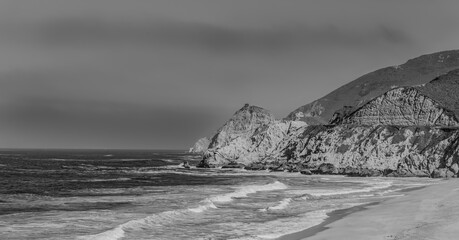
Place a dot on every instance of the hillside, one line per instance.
(414, 72)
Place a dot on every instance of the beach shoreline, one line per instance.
(428, 212)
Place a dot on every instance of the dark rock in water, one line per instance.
(234, 165)
(442, 173)
(306, 172)
(185, 164)
(326, 168)
(203, 164)
(365, 172)
(256, 166)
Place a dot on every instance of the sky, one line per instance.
(160, 74)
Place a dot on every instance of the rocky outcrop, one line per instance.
(267, 142)
(414, 72)
(434, 103)
(402, 106)
(354, 150)
(200, 146)
(242, 125)
(251, 134)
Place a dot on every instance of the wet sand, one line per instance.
(430, 212)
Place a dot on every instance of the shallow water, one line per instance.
(144, 195)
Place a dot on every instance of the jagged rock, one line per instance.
(200, 146)
(359, 150)
(414, 72)
(185, 164)
(267, 143)
(455, 168)
(243, 123)
(326, 168)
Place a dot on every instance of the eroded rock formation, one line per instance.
(416, 71)
(352, 150)
(267, 142)
(402, 106)
(431, 104)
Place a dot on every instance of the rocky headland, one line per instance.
(397, 124)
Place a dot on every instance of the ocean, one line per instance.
(126, 194)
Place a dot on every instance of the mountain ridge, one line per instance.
(416, 71)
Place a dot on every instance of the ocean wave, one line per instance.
(171, 216)
(244, 191)
(203, 208)
(281, 205)
(147, 222)
(279, 227)
(100, 180)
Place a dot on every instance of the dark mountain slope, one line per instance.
(416, 71)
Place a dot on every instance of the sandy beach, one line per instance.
(427, 213)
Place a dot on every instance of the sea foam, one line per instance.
(171, 216)
(334, 192)
(244, 191)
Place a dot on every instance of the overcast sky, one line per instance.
(160, 74)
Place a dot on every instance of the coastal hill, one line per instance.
(416, 71)
(405, 131)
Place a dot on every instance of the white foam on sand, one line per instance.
(281, 226)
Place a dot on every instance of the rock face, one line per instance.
(434, 103)
(352, 150)
(200, 146)
(243, 124)
(251, 134)
(402, 106)
(416, 71)
(266, 142)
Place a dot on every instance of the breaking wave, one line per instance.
(244, 191)
(281, 205)
(171, 216)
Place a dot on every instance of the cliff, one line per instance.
(267, 142)
(352, 150)
(405, 131)
(414, 72)
(243, 124)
